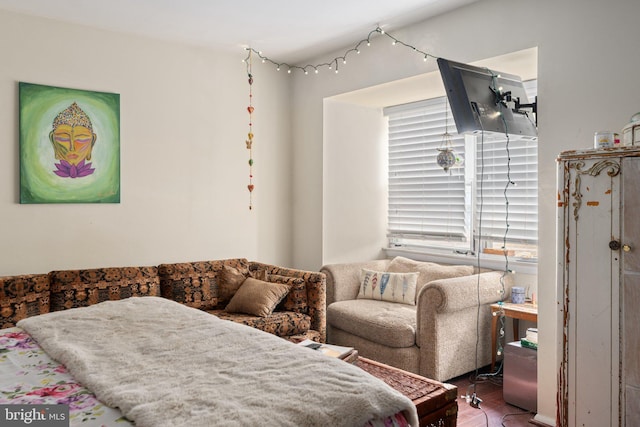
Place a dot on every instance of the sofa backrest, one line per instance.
(196, 283)
(81, 288)
(23, 296)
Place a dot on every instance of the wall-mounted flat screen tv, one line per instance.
(483, 100)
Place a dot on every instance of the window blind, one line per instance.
(424, 201)
(427, 205)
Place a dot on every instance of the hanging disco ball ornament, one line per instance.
(446, 158)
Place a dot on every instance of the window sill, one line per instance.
(494, 262)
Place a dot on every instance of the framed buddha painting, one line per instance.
(69, 145)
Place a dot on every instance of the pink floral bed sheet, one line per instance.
(29, 376)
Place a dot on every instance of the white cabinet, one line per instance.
(599, 288)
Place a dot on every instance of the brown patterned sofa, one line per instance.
(205, 285)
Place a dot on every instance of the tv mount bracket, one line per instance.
(504, 97)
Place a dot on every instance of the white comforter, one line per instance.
(164, 364)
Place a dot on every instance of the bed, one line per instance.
(149, 361)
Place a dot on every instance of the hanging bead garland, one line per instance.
(249, 141)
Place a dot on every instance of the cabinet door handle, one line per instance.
(614, 245)
(626, 248)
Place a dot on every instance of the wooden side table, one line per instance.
(516, 312)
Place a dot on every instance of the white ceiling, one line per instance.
(285, 30)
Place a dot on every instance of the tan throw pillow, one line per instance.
(257, 297)
(230, 279)
(429, 271)
(385, 286)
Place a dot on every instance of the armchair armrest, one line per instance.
(343, 280)
(450, 322)
(458, 293)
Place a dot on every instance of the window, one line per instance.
(468, 208)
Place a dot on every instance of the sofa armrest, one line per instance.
(316, 285)
(343, 280)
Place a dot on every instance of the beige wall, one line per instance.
(588, 81)
(355, 183)
(184, 166)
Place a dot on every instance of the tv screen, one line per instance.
(478, 100)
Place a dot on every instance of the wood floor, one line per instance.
(493, 412)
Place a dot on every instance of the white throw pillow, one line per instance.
(386, 286)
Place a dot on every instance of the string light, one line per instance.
(316, 69)
(356, 49)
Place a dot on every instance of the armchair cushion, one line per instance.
(385, 286)
(387, 323)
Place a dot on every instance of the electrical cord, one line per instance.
(473, 399)
(486, 417)
(507, 270)
(478, 253)
(513, 414)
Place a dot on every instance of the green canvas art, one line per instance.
(69, 145)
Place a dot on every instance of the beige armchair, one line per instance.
(446, 333)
